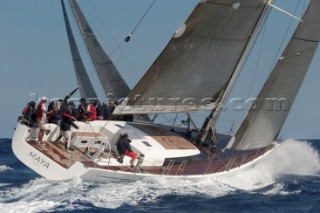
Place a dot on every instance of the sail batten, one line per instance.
(261, 126)
(305, 39)
(196, 66)
(111, 80)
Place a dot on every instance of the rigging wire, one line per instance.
(128, 63)
(283, 38)
(258, 61)
(127, 39)
(256, 66)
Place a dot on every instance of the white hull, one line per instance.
(45, 166)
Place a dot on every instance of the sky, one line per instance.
(35, 55)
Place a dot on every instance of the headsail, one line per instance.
(198, 62)
(86, 88)
(262, 126)
(110, 78)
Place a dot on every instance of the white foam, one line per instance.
(291, 157)
(4, 168)
(39, 195)
(132, 193)
(44, 195)
(278, 189)
(27, 206)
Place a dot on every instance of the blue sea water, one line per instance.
(287, 180)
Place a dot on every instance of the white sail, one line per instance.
(86, 88)
(197, 64)
(109, 76)
(265, 119)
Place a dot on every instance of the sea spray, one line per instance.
(290, 158)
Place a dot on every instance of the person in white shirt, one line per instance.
(41, 118)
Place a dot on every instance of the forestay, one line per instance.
(86, 88)
(198, 62)
(265, 119)
(109, 76)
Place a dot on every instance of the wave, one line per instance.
(37, 195)
(44, 195)
(292, 157)
(279, 189)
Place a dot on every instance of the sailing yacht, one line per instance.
(195, 72)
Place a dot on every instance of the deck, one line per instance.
(167, 139)
(57, 152)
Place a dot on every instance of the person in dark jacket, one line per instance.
(124, 148)
(66, 123)
(53, 115)
(106, 111)
(74, 110)
(63, 107)
(29, 114)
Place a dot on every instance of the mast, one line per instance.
(86, 88)
(111, 80)
(263, 124)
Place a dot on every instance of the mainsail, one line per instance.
(86, 88)
(197, 64)
(111, 80)
(265, 119)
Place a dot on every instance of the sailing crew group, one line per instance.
(64, 114)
